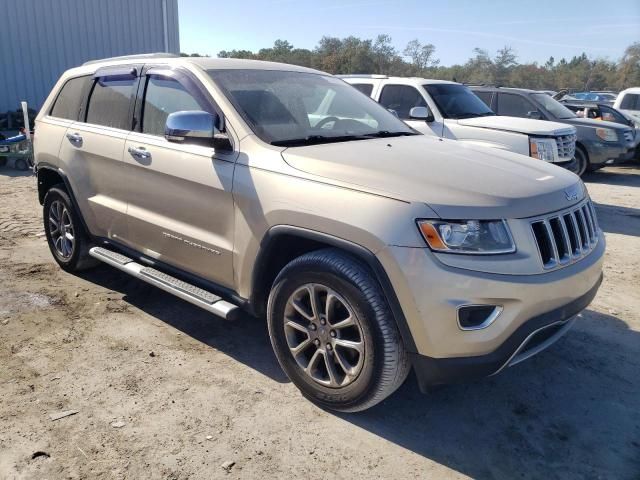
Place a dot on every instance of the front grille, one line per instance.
(566, 146)
(565, 237)
(628, 135)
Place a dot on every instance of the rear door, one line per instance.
(93, 148)
(180, 204)
(52, 125)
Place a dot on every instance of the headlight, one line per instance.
(542, 148)
(479, 237)
(607, 134)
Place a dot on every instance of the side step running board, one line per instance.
(184, 290)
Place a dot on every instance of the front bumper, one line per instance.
(530, 338)
(601, 154)
(431, 292)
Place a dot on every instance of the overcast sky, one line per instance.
(535, 29)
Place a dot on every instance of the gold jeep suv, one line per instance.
(284, 192)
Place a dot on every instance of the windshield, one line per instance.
(553, 106)
(457, 101)
(296, 108)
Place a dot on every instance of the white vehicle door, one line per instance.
(401, 99)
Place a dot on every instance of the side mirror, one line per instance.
(534, 115)
(195, 126)
(421, 113)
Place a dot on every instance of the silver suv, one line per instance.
(284, 192)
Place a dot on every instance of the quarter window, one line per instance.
(69, 100)
(110, 101)
(631, 101)
(401, 99)
(513, 105)
(164, 96)
(365, 88)
(485, 97)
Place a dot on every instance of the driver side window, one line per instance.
(401, 98)
(164, 96)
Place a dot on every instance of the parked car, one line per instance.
(602, 97)
(451, 110)
(628, 101)
(282, 191)
(600, 111)
(598, 144)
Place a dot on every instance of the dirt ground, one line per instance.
(164, 390)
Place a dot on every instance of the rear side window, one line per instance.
(631, 101)
(401, 99)
(69, 100)
(513, 105)
(162, 97)
(365, 88)
(110, 101)
(485, 97)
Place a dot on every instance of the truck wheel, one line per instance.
(67, 239)
(333, 333)
(582, 162)
(21, 164)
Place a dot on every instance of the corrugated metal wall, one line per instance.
(40, 39)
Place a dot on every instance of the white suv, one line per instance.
(451, 110)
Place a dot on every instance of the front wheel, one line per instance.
(333, 333)
(582, 162)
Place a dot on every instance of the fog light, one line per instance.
(476, 317)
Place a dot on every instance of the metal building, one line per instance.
(40, 39)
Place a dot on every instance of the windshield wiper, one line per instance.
(387, 133)
(318, 139)
(315, 140)
(472, 115)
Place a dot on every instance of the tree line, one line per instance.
(355, 55)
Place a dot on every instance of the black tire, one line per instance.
(3, 161)
(21, 164)
(582, 161)
(385, 363)
(78, 259)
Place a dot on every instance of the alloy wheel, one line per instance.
(324, 335)
(61, 230)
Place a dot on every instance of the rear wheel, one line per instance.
(333, 333)
(67, 240)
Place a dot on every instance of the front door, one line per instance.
(180, 204)
(401, 99)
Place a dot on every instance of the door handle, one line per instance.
(75, 139)
(139, 153)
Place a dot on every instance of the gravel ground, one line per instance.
(164, 390)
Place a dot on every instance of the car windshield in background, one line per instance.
(457, 101)
(553, 106)
(296, 108)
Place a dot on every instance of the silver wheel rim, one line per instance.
(324, 335)
(61, 230)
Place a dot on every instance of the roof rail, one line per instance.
(362, 75)
(140, 56)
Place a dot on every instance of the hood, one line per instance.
(517, 124)
(590, 122)
(456, 180)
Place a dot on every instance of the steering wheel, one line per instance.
(326, 120)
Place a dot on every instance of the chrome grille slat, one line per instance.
(587, 215)
(566, 146)
(565, 237)
(552, 240)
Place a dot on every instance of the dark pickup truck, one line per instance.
(599, 143)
